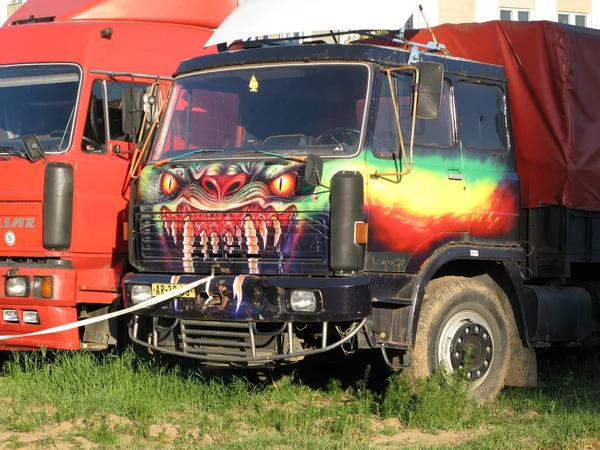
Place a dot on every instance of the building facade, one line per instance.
(575, 12)
(8, 7)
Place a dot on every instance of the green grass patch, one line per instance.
(121, 401)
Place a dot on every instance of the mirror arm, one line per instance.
(139, 152)
(407, 162)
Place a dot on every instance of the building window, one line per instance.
(521, 15)
(580, 20)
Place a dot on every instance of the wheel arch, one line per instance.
(496, 268)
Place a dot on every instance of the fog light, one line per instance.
(10, 315)
(42, 287)
(17, 287)
(31, 317)
(140, 293)
(303, 301)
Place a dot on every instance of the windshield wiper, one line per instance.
(14, 151)
(288, 157)
(344, 147)
(199, 150)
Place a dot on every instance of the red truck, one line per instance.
(71, 73)
(439, 206)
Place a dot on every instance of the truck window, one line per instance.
(38, 99)
(302, 107)
(481, 117)
(105, 96)
(204, 119)
(428, 133)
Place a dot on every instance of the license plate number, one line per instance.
(163, 288)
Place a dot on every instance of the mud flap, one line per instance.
(522, 370)
(103, 333)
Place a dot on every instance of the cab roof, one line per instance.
(377, 54)
(199, 13)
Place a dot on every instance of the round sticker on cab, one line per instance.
(10, 238)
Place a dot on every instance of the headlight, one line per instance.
(303, 301)
(140, 293)
(10, 315)
(31, 317)
(17, 287)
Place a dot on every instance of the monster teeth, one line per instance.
(277, 228)
(252, 242)
(263, 233)
(238, 235)
(214, 240)
(204, 241)
(251, 237)
(188, 241)
(173, 231)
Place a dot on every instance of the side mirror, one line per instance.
(33, 147)
(313, 169)
(431, 85)
(310, 175)
(133, 110)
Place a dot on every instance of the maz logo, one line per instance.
(17, 222)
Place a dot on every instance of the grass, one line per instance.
(83, 400)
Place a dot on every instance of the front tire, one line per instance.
(462, 321)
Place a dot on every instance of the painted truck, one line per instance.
(66, 70)
(440, 207)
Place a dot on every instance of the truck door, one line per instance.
(101, 193)
(493, 187)
(411, 215)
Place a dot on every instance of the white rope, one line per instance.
(150, 302)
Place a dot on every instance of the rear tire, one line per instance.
(463, 317)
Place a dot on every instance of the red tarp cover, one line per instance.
(204, 13)
(554, 94)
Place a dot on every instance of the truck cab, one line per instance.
(71, 75)
(317, 187)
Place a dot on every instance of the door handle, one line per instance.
(454, 174)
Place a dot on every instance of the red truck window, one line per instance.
(105, 95)
(38, 99)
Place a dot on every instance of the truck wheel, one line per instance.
(462, 321)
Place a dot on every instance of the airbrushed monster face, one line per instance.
(216, 209)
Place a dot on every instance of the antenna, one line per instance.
(427, 23)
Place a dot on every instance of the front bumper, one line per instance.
(58, 310)
(260, 299)
(248, 321)
(50, 317)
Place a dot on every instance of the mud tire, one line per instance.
(446, 300)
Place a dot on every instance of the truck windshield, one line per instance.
(38, 99)
(308, 108)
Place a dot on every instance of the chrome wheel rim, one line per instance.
(466, 339)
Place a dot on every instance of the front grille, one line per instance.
(227, 339)
(254, 242)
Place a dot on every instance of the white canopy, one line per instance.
(266, 17)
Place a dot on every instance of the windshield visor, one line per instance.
(292, 109)
(40, 100)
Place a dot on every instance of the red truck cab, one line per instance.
(63, 70)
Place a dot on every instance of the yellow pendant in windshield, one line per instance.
(253, 84)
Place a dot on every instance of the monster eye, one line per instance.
(169, 184)
(284, 185)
